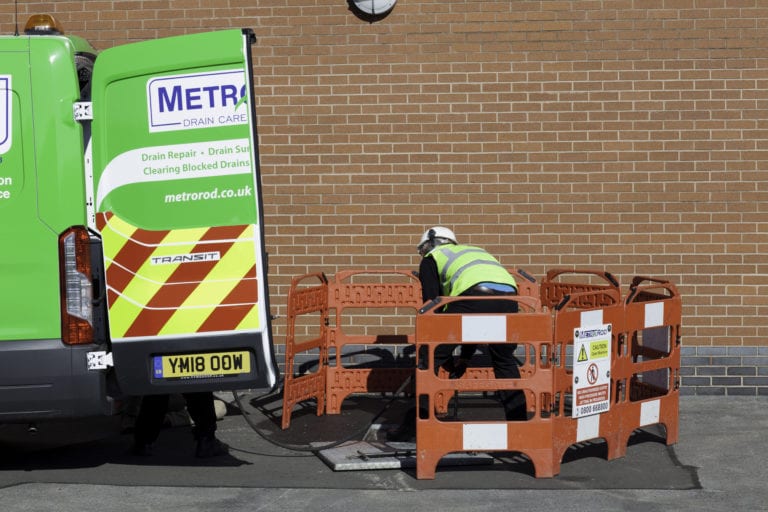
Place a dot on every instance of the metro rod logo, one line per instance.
(5, 113)
(201, 100)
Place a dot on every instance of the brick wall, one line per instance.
(624, 135)
(724, 371)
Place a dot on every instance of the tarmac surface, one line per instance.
(718, 464)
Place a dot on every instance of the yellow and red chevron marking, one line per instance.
(179, 281)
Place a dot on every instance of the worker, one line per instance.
(450, 269)
(201, 409)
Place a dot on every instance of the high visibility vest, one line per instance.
(462, 266)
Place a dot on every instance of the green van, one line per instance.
(133, 259)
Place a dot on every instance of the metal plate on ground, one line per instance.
(366, 455)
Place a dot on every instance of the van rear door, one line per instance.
(176, 198)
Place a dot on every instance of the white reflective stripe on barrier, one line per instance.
(650, 412)
(594, 317)
(588, 427)
(654, 314)
(485, 436)
(484, 329)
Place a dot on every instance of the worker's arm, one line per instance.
(430, 280)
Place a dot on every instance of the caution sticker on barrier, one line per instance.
(591, 370)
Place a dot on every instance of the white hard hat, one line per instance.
(437, 232)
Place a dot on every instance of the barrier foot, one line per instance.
(289, 405)
(671, 422)
(544, 463)
(616, 449)
(426, 464)
(287, 410)
(672, 432)
(286, 419)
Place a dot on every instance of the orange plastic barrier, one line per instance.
(402, 291)
(632, 364)
(644, 370)
(529, 328)
(580, 306)
(316, 336)
(648, 367)
(319, 312)
(305, 299)
(641, 333)
(559, 284)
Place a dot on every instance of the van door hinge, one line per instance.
(83, 111)
(99, 360)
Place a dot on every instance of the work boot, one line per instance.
(209, 446)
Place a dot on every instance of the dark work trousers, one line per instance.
(502, 354)
(152, 414)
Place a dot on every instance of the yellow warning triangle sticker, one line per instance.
(582, 355)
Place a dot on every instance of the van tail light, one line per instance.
(76, 287)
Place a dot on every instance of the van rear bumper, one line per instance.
(44, 379)
(134, 364)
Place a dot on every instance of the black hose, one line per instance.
(311, 448)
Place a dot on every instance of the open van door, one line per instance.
(176, 198)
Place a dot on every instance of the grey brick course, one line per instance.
(696, 381)
(694, 361)
(726, 370)
(713, 351)
(746, 391)
(710, 370)
(743, 370)
(737, 371)
(742, 351)
(726, 381)
(710, 390)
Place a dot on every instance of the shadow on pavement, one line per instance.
(262, 455)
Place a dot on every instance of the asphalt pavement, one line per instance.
(718, 464)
